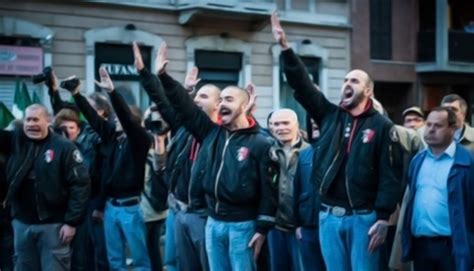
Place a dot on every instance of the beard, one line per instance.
(356, 100)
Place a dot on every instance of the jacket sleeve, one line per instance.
(305, 92)
(56, 102)
(6, 141)
(155, 91)
(389, 187)
(103, 128)
(195, 120)
(78, 184)
(137, 134)
(268, 177)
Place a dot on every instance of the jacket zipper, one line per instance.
(36, 186)
(220, 170)
(349, 147)
(327, 171)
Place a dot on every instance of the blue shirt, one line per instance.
(430, 209)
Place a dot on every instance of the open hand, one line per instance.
(377, 234)
(278, 32)
(256, 243)
(192, 79)
(105, 81)
(162, 58)
(138, 57)
(66, 234)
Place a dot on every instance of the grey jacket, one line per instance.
(288, 163)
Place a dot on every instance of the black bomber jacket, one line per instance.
(371, 181)
(239, 176)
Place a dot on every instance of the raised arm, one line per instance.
(102, 127)
(136, 133)
(195, 120)
(305, 92)
(153, 87)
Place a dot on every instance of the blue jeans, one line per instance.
(227, 245)
(345, 242)
(190, 241)
(124, 227)
(170, 246)
(284, 251)
(310, 250)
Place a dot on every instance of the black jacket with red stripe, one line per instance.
(238, 176)
(359, 148)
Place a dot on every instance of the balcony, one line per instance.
(458, 56)
(252, 14)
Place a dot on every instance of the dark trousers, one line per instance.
(38, 247)
(433, 254)
(310, 250)
(153, 231)
(386, 248)
(88, 247)
(6, 244)
(284, 251)
(189, 234)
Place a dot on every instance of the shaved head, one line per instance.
(207, 98)
(232, 106)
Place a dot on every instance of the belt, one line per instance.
(125, 202)
(341, 211)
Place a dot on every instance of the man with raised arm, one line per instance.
(186, 198)
(127, 144)
(352, 165)
(238, 177)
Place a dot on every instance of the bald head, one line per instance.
(207, 98)
(356, 90)
(233, 101)
(285, 126)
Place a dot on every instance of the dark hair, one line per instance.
(101, 103)
(67, 114)
(451, 114)
(451, 98)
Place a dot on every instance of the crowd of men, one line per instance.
(94, 186)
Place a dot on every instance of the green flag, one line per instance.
(21, 100)
(5, 116)
(36, 98)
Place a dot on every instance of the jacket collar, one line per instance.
(467, 133)
(462, 156)
(368, 111)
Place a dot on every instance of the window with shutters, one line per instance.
(381, 29)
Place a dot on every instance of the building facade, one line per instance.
(416, 51)
(230, 42)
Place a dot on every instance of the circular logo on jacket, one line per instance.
(242, 154)
(76, 155)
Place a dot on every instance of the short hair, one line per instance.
(67, 115)
(101, 103)
(41, 107)
(451, 98)
(370, 82)
(247, 95)
(449, 111)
